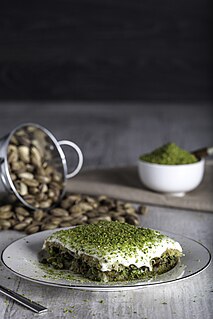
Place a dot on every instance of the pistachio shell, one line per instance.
(5, 224)
(38, 214)
(24, 153)
(6, 215)
(32, 229)
(59, 212)
(26, 175)
(5, 208)
(22, 211)
(35, 156)
(20, 226)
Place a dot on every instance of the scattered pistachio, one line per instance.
(74, 209)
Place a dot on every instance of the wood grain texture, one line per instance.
(188, 299)
(106, 50)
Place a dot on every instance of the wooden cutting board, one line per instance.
(124, 183)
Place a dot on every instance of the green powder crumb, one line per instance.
(169, 154)
(108, 236)
(68, 310)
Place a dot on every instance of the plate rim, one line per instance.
(104, 287)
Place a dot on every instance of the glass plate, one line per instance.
(21, 257)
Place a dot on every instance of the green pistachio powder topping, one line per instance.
(105, 237)
(169, 154)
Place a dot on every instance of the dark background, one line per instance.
(119, 78)
(145, 50)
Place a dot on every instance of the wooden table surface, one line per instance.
(110, 136)
(190, 298)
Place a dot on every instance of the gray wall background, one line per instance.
(115, 134)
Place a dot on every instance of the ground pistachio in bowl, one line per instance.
(169, 154)
(171, 170)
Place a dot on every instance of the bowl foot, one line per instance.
(178, 194)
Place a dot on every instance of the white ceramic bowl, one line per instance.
(172, 179)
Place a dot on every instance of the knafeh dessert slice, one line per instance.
(112, 251)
